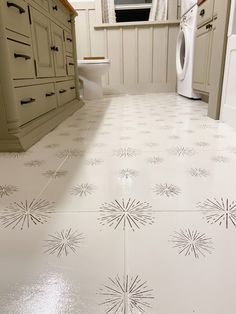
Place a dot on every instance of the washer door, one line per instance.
(182, 53)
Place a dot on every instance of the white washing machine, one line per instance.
(185, 49)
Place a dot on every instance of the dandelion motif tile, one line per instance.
(26, 214)
(124, 214)
(7, 190)
(127, 207)
(192, 243)
(126, 295)
(64, 242)
(175, 254)
(59, 259)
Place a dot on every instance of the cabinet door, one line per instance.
(59, 50)
(201, 58)
(212, 43)
(228, 109)
(41, 34)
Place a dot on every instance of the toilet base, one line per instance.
(92, 89)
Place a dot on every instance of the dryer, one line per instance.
(185, 49)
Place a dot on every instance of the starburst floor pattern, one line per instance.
(199, 172)
(127, 173)
(64, 242)
(7, 190)
(69, 153)
(126, 152)
(155, 160)
(221, 212)
(34, 163)
(126, 295)
(182, 151)
(192, 243)
(53, 145)
(53, 174)
(168, 190)
(133, 214)
(27, 213)
(94, 162)
(220, 159)
(202, 144)
(83, 189)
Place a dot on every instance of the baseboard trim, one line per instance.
(35, 130)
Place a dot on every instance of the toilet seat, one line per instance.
(94, 61)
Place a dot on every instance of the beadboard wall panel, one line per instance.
(142, 56)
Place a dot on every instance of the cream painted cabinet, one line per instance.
(202, 45)
(58, 48)
(209, 57)
(42, 44)
(38, 74)
(212, 45)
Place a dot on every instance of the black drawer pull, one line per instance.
(20, 55)
(202, 12)
(10, 4)
(208, 26)
(71, 63)
(27, 101)
(49, 94)
(69, 21)
(61, 91)
(69, 39)
(55, 8)
(72, 87)
(54, 48)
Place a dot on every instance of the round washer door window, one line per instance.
(182, 54)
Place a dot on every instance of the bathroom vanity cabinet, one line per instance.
(210, 44)
(38, 70)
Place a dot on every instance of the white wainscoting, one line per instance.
(142, 54)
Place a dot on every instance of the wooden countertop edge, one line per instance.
(69, 7)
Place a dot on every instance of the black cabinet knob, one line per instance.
(55, 8)
(54, 48)
(62, 91)
(202, 12)
(49, 94)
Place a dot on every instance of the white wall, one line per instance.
(142, 56)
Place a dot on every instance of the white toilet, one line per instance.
(90, 72)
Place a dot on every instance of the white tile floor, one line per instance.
(128, 207)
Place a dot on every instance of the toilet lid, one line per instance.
(94, 61)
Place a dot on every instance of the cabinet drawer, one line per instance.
(70, 66)
(16, 16)
(21, 60)
(42, 3)
(72, 92)
(60, 13)
(65, 92)
(62, 93)
(33, 101)
(69, 41)
(205, 12)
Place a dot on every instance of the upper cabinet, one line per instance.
(210, 44)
